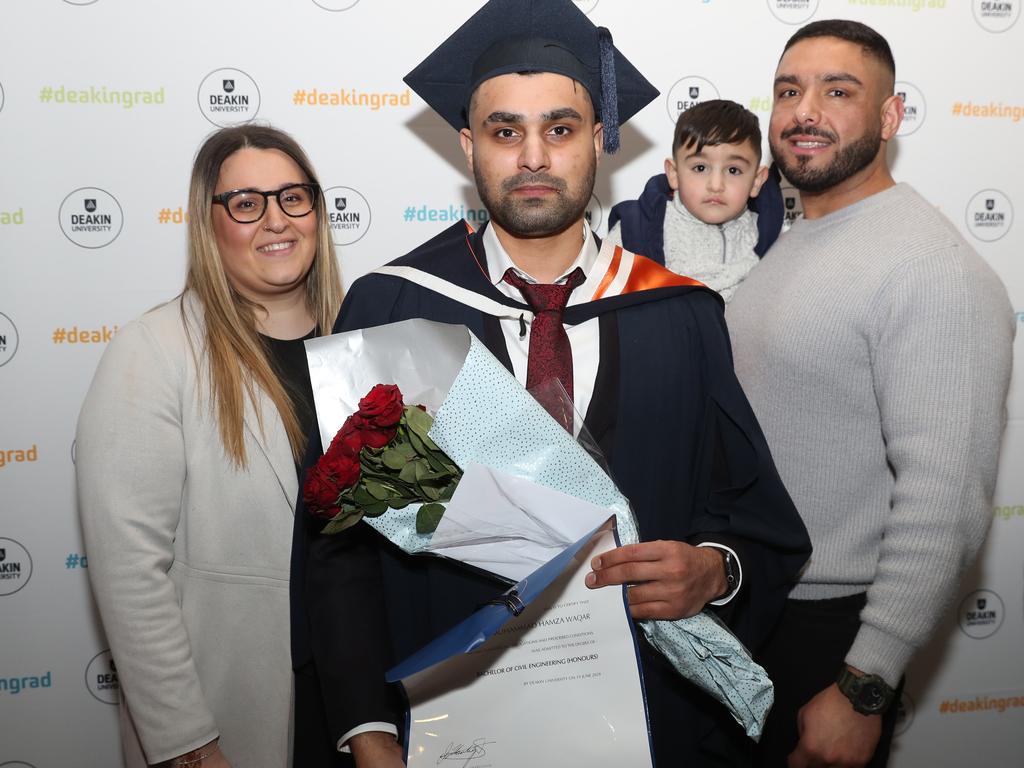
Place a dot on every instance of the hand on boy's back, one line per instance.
(668, 579)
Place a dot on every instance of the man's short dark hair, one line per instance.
(872, 43)
(719, 121)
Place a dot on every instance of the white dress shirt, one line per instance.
(584, 339)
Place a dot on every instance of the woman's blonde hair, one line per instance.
(235, 356)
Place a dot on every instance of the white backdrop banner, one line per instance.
(103, 104)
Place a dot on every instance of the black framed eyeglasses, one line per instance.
(248, 205)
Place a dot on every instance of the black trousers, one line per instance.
(803, 657)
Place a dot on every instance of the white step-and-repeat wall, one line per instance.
(104, 102)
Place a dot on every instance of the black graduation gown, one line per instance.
(683, 446)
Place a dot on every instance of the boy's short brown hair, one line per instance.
(714, 122)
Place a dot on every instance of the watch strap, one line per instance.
(729, 567)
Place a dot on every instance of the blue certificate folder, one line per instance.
(478, 628)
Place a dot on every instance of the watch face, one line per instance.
(871, 697)
(868, 694)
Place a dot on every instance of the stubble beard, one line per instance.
(538, 216)
(849, 160)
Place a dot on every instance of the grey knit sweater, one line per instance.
(875, 346)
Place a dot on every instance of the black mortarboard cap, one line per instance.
(507, 36)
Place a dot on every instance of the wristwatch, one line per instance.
(729, 565)
(869, 694)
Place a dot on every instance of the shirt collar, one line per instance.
(498, 261)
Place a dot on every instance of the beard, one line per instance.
(536, 216)
(851, 159)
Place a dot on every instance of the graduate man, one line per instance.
(537, 92)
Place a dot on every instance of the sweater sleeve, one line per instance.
(941, 358)
(131, 476)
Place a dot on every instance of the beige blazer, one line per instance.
(188, 555)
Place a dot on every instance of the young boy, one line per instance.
(716, 210)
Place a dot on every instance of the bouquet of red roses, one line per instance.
(381, 458)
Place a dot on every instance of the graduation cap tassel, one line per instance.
(609, 91)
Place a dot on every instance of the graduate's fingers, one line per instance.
(644, 551)
(625, 573)
(671, 572)
(663, 600)
(651, 592)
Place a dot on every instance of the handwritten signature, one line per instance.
(465, 752)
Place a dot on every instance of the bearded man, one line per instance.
(875, 347)
(537, 93)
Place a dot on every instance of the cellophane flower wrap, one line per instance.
(486, 417)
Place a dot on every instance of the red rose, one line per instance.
(371, 435)
(332, 474)
(378, 438)
(349, 440)
(382, 406)
(343, 469)
(320, 492)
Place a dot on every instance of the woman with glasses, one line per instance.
(188, 446)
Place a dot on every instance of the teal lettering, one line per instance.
(15, 685)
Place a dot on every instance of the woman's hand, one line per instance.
(375, 749)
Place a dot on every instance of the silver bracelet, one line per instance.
(195, 757)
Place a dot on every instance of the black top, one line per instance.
(288, 358)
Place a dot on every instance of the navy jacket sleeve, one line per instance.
(338, 607)
(703, 471)
(744, 488)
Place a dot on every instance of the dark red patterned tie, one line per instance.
(550, 354)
